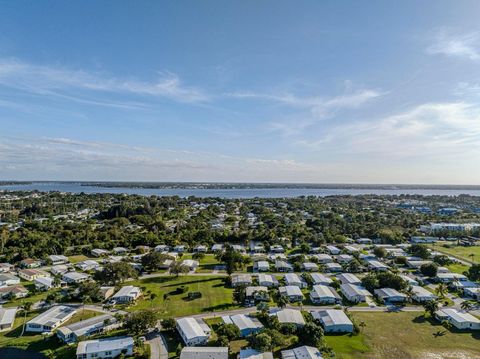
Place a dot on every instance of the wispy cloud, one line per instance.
(48, 80)
(463, 45)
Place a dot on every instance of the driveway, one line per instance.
(158, 346)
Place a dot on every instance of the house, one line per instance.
(333, 250)
(473, 292)
(276, 248)
(105, 348)
(409, 280)
(95, 325)
(255, 294)
(333, 267)
(304, 352)
(59, 269)
(7, 318)
(267, 280)
(364, 241)
(351, 249)
(127, 294)
(88, 265)
(58, 259)
(97, 252)
(204, 353)
(247, 325)
(75, 277)
(8, 279)
(193, 332)
(416, 263)
(450, 277)
(120, 251)
(289, 316)
(344, 258)
(43, 283)
(282, 266)
(30, 263)
(162, 248)
(377, 266)
(323, 258)
(6, 267)
(217, 247)
(13, 291)
(292, 279)
(31, 274)
(334, 321)
(200, 249)
(239, 248)
(354, 293)
(241, 280)
(390, 295)
(191, 264)
(50, 319)
(421, 295)
(348, 278)
(460, 320)
(292, 292)
(309, 267)
(180, 248)
(318, 278)
(254, 354)
(322, 294)
(106, 292)
(261, 266)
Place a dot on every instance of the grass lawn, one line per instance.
(31, 298)
(458, 268)
(459, 251)
(206, 264)
(404, 335)
(77, 258)
(215, 297)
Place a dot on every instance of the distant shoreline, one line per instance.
(246, 185)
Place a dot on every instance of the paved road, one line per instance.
(158, 347)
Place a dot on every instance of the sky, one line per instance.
(240, 91)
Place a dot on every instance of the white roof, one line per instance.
(323, 291)
(304, 352)
(190, 328)
(377, 264)
(348, 278)
(290, 316)
(249, 291)
(127, 291)
(353, 289)
(82, 327)
(46, 281)
(460, 317)
(292, 278)
(244, 322)
(320, 278)
(53, 315)
(7, 315)
(291, 290)
(75, 275)
(389, 292)
(254, 354)
(332, 317)
(204, 353)
(101, 345)
(422, 292)
(267, 278)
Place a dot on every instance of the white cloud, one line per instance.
(47, 80)
(466, 45)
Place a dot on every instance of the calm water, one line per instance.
(233, 193)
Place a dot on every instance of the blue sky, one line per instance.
(264, 91)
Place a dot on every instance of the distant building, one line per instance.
(304, 352)
(58, 259)
(31, 274)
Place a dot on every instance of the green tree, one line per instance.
(429, 269)
(116, 273)
(230, 331)
(138, 322)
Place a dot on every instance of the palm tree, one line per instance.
(441, 290)
(282, 301)
(362, 325)
(466, 306)
(471, 255)
(152, 298)
(26, 308)
(431, 307)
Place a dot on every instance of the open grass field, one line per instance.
(458, 268)
(459, 251)
(170, 303)
(78, 258)
(207, 263)
(404, 335)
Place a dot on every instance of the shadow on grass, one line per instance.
(219, 307)
(20, 354)
(193, 282)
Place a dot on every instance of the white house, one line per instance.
(322, 294)
(292, 279)
(421, 295)
(8, 279)
(460, 320)
(31, 274)
(75, 277)
(59, 269)
(390, 295)
(318, 278)
(309, 267)
(473, 292)
(292, 292)
(344, 258)
(200, 249)
(204, 353)
(267, 280)
(377, 266)
(127, 294)
(333, 321)
(43, 283)
(241, 280)
(250, 353)
(246, 324)
(7, 318)
(193, 332)
(256, 294)
(333, 267)
(6, 267)
(120, 251)
(409, 280)
(97, 252)
(333, 250)
(348, 278)
(191, 264)
(289, 316)
(304, 352)
(50, 319)
(323, 258)
(106, 348)
(87, 265)
(354, 293)
(58, 259)
(450, 277)
(282, 266)
(261, 266)
(99, 324)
